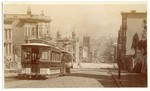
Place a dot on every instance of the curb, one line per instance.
(118, 83)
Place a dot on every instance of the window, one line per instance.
(26, 31)
(40, 33)
(9, 33)
(10, 48)
(6, 49)
(35, 56)
(26, 55)
(54, 56)
(47, 28)
(32, 31)
(29, 30)
(57, 57)
(43, 30)
(44, 55)
(6, 33)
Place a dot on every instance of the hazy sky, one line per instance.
(101, 19)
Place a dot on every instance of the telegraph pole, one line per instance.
(119, 68)
(119, 54)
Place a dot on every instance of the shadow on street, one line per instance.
(105, 80)
(15, 78)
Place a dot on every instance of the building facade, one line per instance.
(8, 48)
(21, 28)
(29, 26)
(131, 26)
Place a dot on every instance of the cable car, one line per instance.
(39, 59)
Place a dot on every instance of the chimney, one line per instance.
(29, 11)
(42, 13)
(133, 11)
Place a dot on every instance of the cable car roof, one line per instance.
(42, 45)
(36, 44)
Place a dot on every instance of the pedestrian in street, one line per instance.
(68, 62)
(63, 67)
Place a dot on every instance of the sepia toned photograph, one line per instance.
(74, 45)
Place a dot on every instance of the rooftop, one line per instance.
(27, 17)
(134, 14)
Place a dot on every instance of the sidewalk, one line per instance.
(10, 74)
(130, 79)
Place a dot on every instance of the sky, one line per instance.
(94, 19)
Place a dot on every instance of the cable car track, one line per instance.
(116, 80)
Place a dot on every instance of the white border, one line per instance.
(71, 1)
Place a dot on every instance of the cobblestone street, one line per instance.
(80, 77)
(97, 75)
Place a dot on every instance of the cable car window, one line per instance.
(44, 55)
(26, 55)
(59, 57)
(34, 56)
(54, 57)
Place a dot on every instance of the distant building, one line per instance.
(85, 49)
(69, 44)
(95, 56)
(85, 53)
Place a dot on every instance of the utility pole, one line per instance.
(119, 65)
(119, 53)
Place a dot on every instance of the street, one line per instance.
(79, 77)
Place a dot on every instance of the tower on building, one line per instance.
(86, 44)
(58, 36)
(73, 34)
(86, 41)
